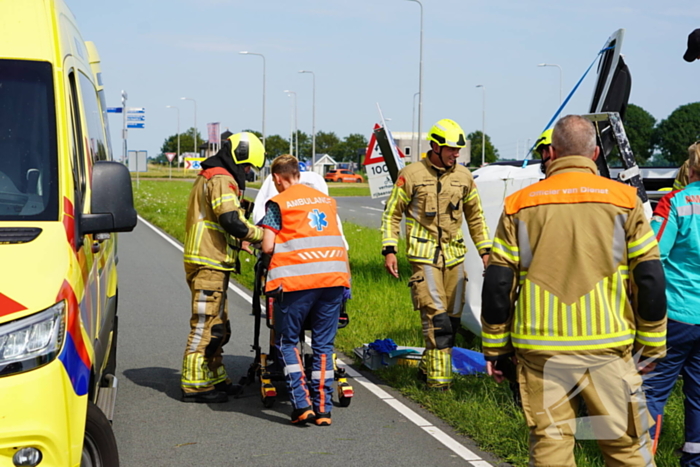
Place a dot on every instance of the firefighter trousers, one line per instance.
(552, 387)
(438, 293)
(210, 329)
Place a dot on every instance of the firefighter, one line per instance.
(435, 194)
(543, 147)
(216, 231)
(307, 275)
(676, 222)
(554, 301)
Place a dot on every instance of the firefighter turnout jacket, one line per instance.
(207, 243)
(434, 200)
(309, 248)
(575, 244)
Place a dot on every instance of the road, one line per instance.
(360, 210)
(153, 428)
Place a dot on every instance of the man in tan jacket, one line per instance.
(435, 195)
(555, 299)
(216, 229)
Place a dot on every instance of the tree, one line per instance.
(674, 134)
(326, 142)
(639, 126)
(304, 146)
(350, 148)
(491, 154)
(275, 145)
(186, 142)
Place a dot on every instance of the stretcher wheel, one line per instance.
(269, 401)
(344, 401)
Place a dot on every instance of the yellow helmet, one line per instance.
(246, 148)
(447, 132)
(545, 139)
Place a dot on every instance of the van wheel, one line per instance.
(99, 445)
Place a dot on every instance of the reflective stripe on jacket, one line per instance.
(571, 241)
(309, 248)
(207, 244)
(435, 201)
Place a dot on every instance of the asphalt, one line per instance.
(154, 428)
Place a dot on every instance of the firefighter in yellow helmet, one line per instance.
(435, 194)
(543, 147)
(216, 229)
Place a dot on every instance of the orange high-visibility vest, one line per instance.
(309, 249)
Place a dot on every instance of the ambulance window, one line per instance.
(78, 148)
(28, 149)
(96, 142)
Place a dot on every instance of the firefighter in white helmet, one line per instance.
(215, 233)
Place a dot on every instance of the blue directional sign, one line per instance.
(136, 118)
(114, 110)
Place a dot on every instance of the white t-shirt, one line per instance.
(268, 190)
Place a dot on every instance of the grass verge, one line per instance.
(381, 308)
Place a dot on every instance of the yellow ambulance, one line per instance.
(62, 199)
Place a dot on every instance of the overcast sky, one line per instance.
(365, 52)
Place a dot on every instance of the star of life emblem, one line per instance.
(317, 220)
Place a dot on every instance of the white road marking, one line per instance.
(372, 209)
(454, 445)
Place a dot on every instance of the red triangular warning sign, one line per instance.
(373, 154)
(7, 305)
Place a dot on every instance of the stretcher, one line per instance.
(267, 368)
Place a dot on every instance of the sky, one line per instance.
(367, 52)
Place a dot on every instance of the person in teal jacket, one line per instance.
(676, 222)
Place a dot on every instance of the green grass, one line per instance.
(381, 308)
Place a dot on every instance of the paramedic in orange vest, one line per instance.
(216, 231)
(308, 273)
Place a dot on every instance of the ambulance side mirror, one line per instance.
(112, 206)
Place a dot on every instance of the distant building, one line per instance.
(406, 141)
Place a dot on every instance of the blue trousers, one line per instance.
(682, 358)
(319, 310)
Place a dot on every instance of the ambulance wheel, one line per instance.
(99, 445)
(268, 402)
(344, 401)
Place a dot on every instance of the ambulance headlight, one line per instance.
(32, 341)
(27, 457)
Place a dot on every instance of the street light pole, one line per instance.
(420, 82)
(313, 121)
(294, 117)
(413, 131)
(263, 91)
(483, 124)
(178, 137)
(561, 75)
(195, 122)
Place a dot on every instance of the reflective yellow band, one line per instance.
(572, 342)
(511, 252)
(642, 245)
(494, 340)
(222, 199)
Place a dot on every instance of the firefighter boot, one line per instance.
(438, 364)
